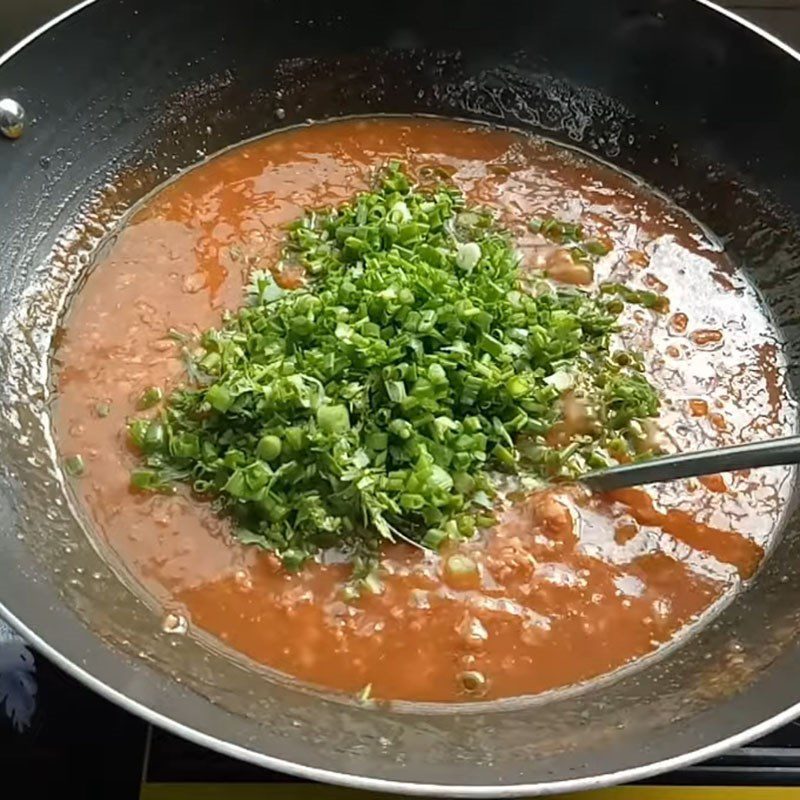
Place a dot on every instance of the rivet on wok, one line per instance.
(12, 118)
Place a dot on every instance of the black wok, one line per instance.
(125, 93)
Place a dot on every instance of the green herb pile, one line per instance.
(379, 401)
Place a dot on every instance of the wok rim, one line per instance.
(155, 717)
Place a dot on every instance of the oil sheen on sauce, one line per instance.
(569, 587)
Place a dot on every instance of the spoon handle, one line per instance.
(689, 465)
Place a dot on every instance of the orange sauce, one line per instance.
(708, 339)
(568, 586)
(714, 483)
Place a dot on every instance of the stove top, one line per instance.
(55, 733)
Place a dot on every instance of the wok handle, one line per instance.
(705, 462)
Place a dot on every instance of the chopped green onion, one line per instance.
(639, 297)
(468, 256)
(459, 565)
(434, 538)
(293, 560)
(596, 248)
(219, 397)
(372, 583)
(154, 438)
(378, 401)
(150, 397)
(149, 480)
(333, 419)
(269, 448)
(562, 232)
(74, 465)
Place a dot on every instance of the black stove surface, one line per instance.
(56, 733)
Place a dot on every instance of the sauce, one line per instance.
(568, 586)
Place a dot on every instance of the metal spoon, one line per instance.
(690, 465)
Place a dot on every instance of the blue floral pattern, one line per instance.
(18, 686)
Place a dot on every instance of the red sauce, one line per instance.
(568, 586)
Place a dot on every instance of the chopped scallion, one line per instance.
(377, 401)
(150, 397)
(75, 466)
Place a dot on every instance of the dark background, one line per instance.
(19, 17)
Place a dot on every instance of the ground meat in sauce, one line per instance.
(568, 587)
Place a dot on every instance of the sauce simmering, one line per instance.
(569, 586)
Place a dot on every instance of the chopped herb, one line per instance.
(75, 466)
(561, 232)
(459, 565)
(596, 248)
(269, 447)
(640, 297)
(150, 480)
(557, 230)
(375, 402)
(102, 409)
(150, 397)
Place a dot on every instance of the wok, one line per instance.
(122, 94)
